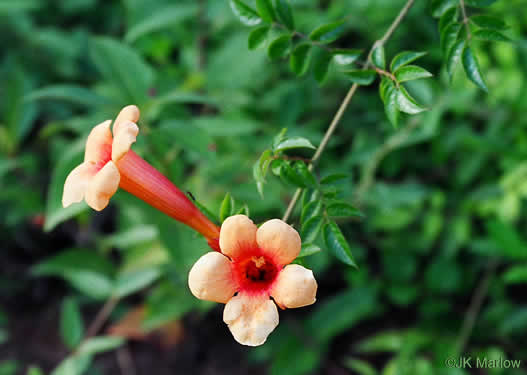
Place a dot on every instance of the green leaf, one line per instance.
(388, 341)
(8, 6)
(345, 56)
(407, 104)
(454, 56)
(285, 13)
(340, 312)
(311, 209)
(508, 241)
(450, 16)
(389, 97)
(516, 274)
(449, 36)
(378, 57)
(299, 61)
(162, 18)
(72, 261)
(279, 47)
(17, 115)
(404, 58)
(71, 324)
(439, 7)
(33, 370)
(472, 69)
(260, 169)
(337, 244)
(100, 344)
(488, 22)
(411, 72)
(69, 93)
(244, 210)
(343, 209)
(276, 166)
(290, 176)
(245, 13)
(93, 284)
(334, 177)
(490, 35)
(257, 37)
(328, 33)
(308, 249)
(73, 365)
(321, 62)
(85, 270)
(479, 3)
(265, 10)
(361, 77)
(133, 79)
(226, 208)
(55, 213)
(134, 236)
(279, 137)
(292, 143)
(133, 281)
(360, 367)
(307, 176)
(311, 228)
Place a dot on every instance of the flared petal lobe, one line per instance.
(99, 144)
(124, 136)
(295, 287)
(211, 279)
(102, 187)
(77, 183)
(237, 235)
(250, 319)
(279, 240)
(128, 114)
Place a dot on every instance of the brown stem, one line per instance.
(345, 103)
(475, 306)
(386, 74)
(100, 318)
(465, 18)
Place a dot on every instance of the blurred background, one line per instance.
(442, 249)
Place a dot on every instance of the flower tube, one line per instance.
(254, 265)
(109, 163)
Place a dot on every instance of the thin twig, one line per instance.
(475, 306)
(345, 103)
(101, 317)
(465, 18)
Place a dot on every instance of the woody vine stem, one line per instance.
(344, 105)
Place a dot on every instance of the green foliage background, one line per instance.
(443, 196)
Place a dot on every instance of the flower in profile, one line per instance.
(254, 265)
(109, 163)
(97, 179)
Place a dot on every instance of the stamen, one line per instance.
(259, 262)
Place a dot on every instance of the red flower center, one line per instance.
(105, 156)
(255, 273)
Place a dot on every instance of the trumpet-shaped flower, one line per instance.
(109, 163)
(252, 267)
(96, 180)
